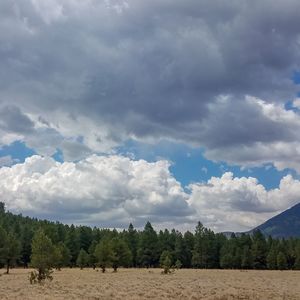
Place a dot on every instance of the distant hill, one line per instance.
(284, 225)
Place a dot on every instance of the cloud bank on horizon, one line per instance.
(85, 77)
(116, 190)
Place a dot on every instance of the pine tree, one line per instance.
(92, 257)
(247, 259)
(10, 248)
(198, 251)
(188, 240)
(65, 255)
(82, 259)
(132, 241)
(148, 247)
(259, 250)
(179, 249)
(166, 261)
(42, 257)
(272, 258)
(73, 244)
(121, 254)
(85, 237)
(26, 239)
(104, 254)
(227, 253)
(12, 251)
(297, 256)
(57, 258)
(281, 261)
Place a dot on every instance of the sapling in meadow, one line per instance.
(42, 258)
(166, 262)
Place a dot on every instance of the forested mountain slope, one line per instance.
(284, 225)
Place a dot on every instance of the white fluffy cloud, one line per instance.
(232, 203)
(107, 191)
(115, 190)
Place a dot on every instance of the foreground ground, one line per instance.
(150, 284)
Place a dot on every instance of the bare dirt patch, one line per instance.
(151, 284)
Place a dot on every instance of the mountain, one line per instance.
(284, 225)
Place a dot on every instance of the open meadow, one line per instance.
(151, 284)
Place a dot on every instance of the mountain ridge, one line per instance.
(283, 225)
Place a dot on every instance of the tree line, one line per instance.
(44, 245)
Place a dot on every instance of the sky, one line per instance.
(119, 111)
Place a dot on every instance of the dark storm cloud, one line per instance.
(153, 69)
(13, 120)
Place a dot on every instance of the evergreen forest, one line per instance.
(29, 242)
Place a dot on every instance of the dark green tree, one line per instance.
(148, 247)
(179, 248)
(65, 254)
(91, 252)
(132, 242)
(188, 241)
(296, 265)
(247, 260)
(227, 254)
(26, 239)
(259, 250)
(85, 237)
(205, 252)
(272, 258)
(73, 244)
(121, 254)
(281, 261)
(13, 249)
(104, 254)
(57, 258)
(82, 259)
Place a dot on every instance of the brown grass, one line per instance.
(151, 284)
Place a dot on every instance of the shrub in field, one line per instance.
(36, 277)
(178, 264)
(166, 262)
(42, 258)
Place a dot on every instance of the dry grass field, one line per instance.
(150, 284)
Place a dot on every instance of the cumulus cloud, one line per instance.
(106, 191)
(93, 74)
(112, 191)
(232, 203)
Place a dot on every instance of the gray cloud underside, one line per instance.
(85, 76)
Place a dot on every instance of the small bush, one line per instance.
(178, 264)
(40, 277)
